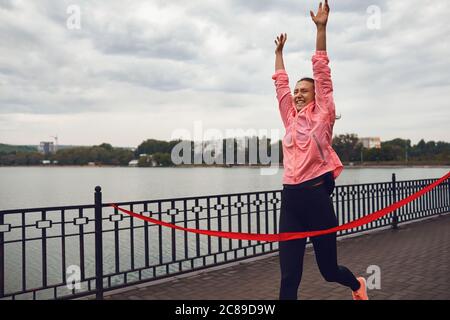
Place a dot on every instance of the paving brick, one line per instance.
(413, 262)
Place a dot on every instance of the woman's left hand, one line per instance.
(321, 18)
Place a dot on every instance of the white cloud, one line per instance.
(149, 67)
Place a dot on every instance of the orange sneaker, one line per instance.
(361, 293)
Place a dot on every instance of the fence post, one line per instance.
(394, 199)
(441, 195)
(448, 204)
(2, 260)
(98, 244)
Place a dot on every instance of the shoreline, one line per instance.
(374, 166)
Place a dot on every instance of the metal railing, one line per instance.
(74, 251)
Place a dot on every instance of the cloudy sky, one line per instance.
(149, 68)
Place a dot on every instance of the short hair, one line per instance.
(306, 79)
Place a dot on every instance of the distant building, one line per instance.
(143, 157)
(47, 147)
(371, 142)
(133, 163)
(153, 162)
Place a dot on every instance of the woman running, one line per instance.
(310, 168)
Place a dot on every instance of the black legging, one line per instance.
(308, 209)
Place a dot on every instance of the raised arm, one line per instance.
(321, 19)
(321, 70)
(281, 78)
(281, 40)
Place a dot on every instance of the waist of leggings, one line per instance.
(308, 183)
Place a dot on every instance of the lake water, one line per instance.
(26, 187)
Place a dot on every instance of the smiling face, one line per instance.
(303, 93)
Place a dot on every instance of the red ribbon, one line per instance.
(293, 235)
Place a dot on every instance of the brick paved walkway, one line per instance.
(414, 263)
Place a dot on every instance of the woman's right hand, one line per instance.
(281, 39)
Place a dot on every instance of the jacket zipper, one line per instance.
(295, 148)
(319, 147)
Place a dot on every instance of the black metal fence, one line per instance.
(74, 251)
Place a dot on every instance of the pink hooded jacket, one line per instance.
(307, 151)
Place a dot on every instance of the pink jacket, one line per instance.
(307, 151)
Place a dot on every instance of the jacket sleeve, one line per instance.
(284, 95)
(323, 84)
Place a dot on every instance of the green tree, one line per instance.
(162, 159)
(348, 147)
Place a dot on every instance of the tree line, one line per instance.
(397, 150)
(104, 154)
(153, 152)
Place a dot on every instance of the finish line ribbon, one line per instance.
(284, 236)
